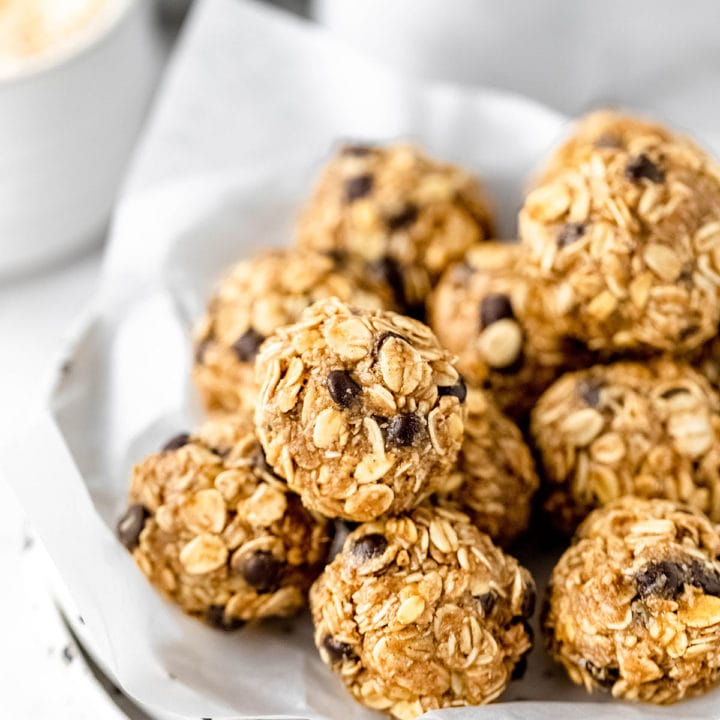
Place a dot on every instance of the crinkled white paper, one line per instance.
(251, 107)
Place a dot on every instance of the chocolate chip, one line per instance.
(663, 579)
(494, 307)
(589, 392)
(487, 602)
(261, 571)
(458, 390)
(386, 270)
(357, 150)
(642, 167)
(247, 345)
(705, 577)
(215, 616)
(407, 216)
(369, 546)
(403, 429)
(338, 651)
(518, 672)
(606, 677)
(342, 388)
(176, 442)
(569, 233)
(358, 187)
(528, 601)
(131, 524)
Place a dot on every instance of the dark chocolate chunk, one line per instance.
(706, 577)
(407, 216)
(176, 442)
(215, 616)
(589, 392)
(247, 345)
(131, 524)
(369, 546)
(261, 571)
(458, 390)
(662, 578)
(338, 651)
(487, 602)
(528, 601)
(569, 233)
(358, 187)
(605, 677)
(386, 270)
(643, 168)
(342, 388)
(403, 429)
(518, 672)
(494, 307)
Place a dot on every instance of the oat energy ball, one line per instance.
(407, 215)
(495, 479)
(651, 430)
(256, 297)
(634, 604)
(479, 311)
(217, 533)
(623, 231)
(360, 411)
(421, 612)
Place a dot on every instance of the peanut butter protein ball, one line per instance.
(651, 430)
(421, 612)
(479, 311)
(256, 297)
(634, 603)
(217, 533)
(623, 232)
(407, 215)
(360, 411)
(495, 479)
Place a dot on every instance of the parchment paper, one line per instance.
(250, 109)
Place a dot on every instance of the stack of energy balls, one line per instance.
(333, 406)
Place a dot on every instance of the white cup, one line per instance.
(68, 123)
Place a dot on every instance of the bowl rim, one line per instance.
(57, 58)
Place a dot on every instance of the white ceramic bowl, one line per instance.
(67, 127)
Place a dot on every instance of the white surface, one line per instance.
(196, 199)
(68, 129)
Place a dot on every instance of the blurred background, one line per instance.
(77, 80)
